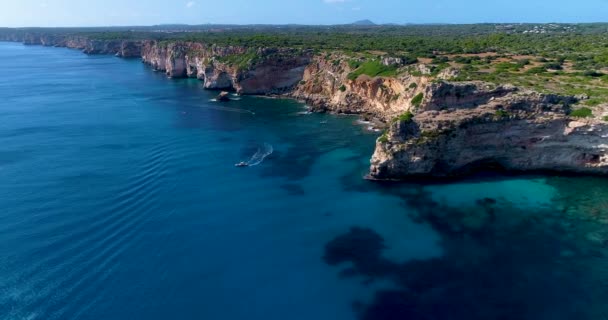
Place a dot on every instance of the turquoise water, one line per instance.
(120, 200)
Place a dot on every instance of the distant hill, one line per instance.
(363, 23)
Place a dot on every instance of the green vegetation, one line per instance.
(430, 134)
(354, 64)
(466, 60)
(581, 43)
(553, 66)
(383, 138)
(417, 100)
(342, 88)
(605, 118)
(405, 117)
(537, 70)
(506, 67)
(583, 112)
(373, 69)
(592, 73)
(413, 85)
(409, 59)
(568, 59)
(240, 61)
(593, 102)
(502, 114)
(440, 60)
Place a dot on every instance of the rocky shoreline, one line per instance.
(506, 128)
(436, 128)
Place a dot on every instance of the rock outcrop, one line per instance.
(464, 127)
(224, 96)
(326, 87)
(245, 70)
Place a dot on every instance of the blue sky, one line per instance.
(15, 13)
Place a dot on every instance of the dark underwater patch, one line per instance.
(499, 262)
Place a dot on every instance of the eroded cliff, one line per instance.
(122, 48)
(320, 79)
(328, 86)
(463, 127)
(245, 70)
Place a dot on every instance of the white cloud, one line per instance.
(190, 4)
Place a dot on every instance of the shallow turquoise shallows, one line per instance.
(120, 199)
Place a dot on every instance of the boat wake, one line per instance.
(261, 154)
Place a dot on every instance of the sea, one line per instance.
(120, 199)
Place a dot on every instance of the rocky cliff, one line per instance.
(321, 80)
(326, 86)
(436, 128)
(122, 48)
(245, 70)
(463, 127)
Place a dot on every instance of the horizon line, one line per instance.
(354, 24)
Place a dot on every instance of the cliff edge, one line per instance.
(464, 127)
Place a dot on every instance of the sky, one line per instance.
(69, 13)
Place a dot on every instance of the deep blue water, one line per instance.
(120, 200)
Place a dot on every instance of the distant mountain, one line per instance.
(363, 23)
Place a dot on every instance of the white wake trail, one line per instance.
(263, 152)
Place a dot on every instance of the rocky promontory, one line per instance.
(464, 127)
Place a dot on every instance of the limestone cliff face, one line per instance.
(326, 87)
(502, 127)
(245, 70)
(317, 79)
(122, 48)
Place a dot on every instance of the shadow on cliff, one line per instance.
(500, 262)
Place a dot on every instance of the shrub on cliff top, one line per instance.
(583, 112)
(417, 100)
(242, 60)
(502, 114)
(592, 73)
(373, 69)
(409, 59)
(466, 60)
(440, 59)
(406, 117)
(383, 138)
(536, 70)
(354, 64)
(553, 66)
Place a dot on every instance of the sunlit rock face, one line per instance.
(245, 70)
(466, 127)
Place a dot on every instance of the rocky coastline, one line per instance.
(464, 127)
(436, 127)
